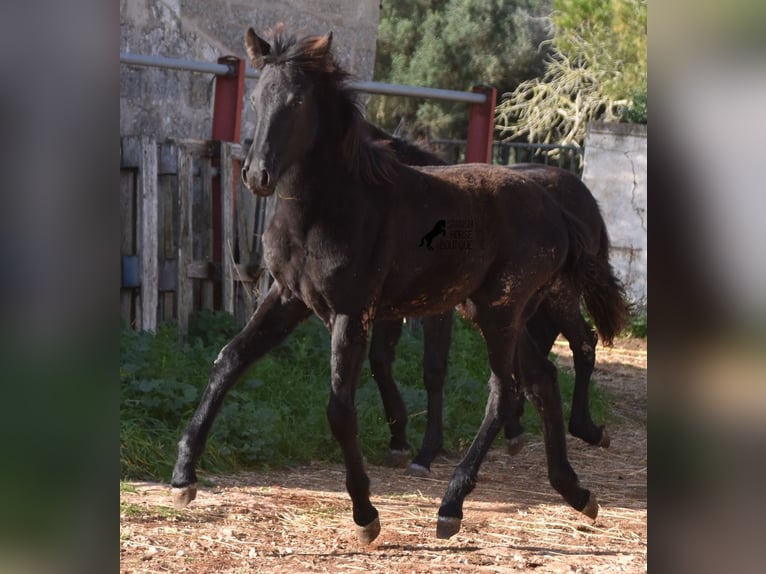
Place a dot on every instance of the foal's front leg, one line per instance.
(349, 340)
(274, 319)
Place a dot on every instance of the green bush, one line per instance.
(276, 415)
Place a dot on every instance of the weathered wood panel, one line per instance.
(227, 230)
(185, 286)
(206, 235)
(166, 219)
(127, 237)
(148, 206)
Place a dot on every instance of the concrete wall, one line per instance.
(179, 104)
(615, 171)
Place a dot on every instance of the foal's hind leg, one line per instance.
(437, 337)
(544, 333)
(501, 382)
(582, 341)
(538, 375)
(385, 336)
(271, 323)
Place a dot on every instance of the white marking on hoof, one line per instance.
(447, 527)
(184, 495)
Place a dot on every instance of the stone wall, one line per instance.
(164, 103)
(615, 171)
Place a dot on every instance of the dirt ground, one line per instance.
(299, 520)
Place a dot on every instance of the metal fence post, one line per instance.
(227, 119)
(481, 126)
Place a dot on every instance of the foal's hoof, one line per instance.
(515, 444)
(417, 470)
(397, 458)
(591, 508)
(184, 495)
(447, 527)
(367, 534)
(605, 440)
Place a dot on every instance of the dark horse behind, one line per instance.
(556, 314)
(341, 243)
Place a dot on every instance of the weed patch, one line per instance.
(275, 416)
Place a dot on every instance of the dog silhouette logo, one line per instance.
(440, 228)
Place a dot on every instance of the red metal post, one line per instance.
(227, 119)
(481, 127)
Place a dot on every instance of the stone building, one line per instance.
(167, 103)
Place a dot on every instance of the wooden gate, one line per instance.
(166, 216)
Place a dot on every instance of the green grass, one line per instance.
(275, 417)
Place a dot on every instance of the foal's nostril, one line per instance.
(244, 175)
(264, 178)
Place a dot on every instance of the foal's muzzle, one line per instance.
(258, 178)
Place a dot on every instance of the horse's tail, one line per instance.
(602, 291)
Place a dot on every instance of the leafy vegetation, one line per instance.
(595, 70)
(276, 415)
(638, 326)
(454, 44)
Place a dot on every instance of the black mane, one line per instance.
(368, 159)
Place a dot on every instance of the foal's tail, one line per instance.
(602, 291)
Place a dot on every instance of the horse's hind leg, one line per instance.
(437, 337)
(349, 340)
(544, 333)
(582, 341)
(501, 382)
(385, 336)
(538, 375)
(563, 309)
(271, 323)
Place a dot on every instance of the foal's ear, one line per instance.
(320, 47)
(256, 47)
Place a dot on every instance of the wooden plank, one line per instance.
(167, 208)
(227, 230)
(148, 233)
(168, 277)
(197, 148)
(130, 152)
(185, 286)
(127, 236)
(168, 158)
(245, 208)
(207, 270)
(206, 179)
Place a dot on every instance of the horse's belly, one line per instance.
(429, 295)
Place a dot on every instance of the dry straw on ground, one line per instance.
(299, 520)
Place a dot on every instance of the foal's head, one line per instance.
(301, 97)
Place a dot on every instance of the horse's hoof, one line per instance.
(397, 458)
(515, 444)
(417, 470)
(447, 527)
(605, 440)
(367, 534)
(184, 495)
(591, 508)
